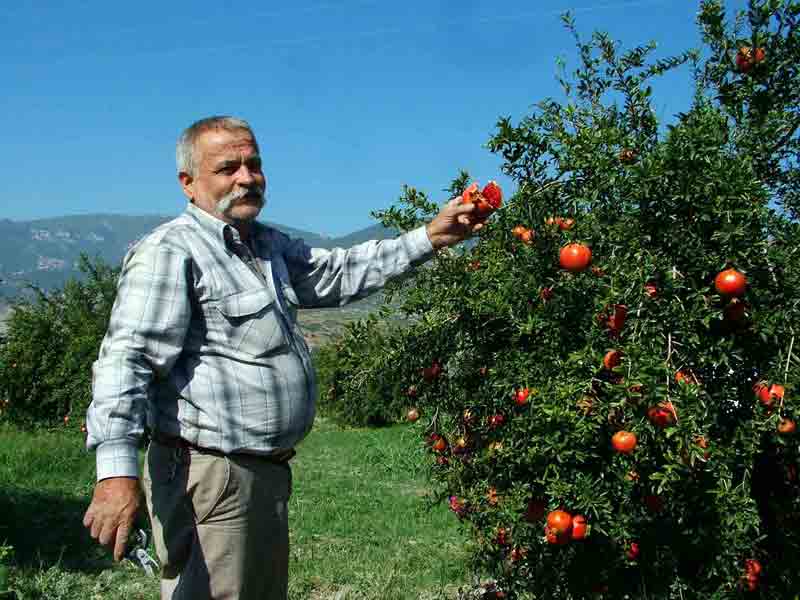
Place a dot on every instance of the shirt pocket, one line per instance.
(252, 323)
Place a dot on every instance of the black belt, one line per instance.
(170, 441)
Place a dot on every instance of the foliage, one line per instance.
(47, 354)
(356, 373)
(664, 208)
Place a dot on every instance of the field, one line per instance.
(360, 523)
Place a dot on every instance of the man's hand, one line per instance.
(111, 515)
(454, 223)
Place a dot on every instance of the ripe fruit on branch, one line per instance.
(413, 415)
(546, 294)
(662, 415)
(521, 396)
(624, 442)
(523, 234)
(751, 565)
(475, 265)
(559, 521)
(559, 527)
(411, 392)
(768, 394)
(651, 290)
(787, 426)
(777, 391)
(575, 257)
(439, 444)
(752, 574)
(496, 421)
(633, 551)
(746, 58)
(579, 527)
(730, 282)
(565, 224)
(613, 358)
(761, 390)
(491, 496)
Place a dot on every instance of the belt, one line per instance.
(280, 456)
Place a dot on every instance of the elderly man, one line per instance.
(203, 351)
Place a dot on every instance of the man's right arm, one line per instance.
(145, 336)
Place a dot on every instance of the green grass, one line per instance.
(360, 524)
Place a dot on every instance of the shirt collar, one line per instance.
(221, 230)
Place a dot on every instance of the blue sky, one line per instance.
(349, 100)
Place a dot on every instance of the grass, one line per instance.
(360, 525)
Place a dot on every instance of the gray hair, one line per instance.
(185, 152)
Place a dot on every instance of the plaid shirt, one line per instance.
(203, 342)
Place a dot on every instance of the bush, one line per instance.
(357, 374)
(520, 415)
(52, 340)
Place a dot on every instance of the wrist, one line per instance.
(431, 237)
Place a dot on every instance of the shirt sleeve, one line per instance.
(335, 277)
(145, 336)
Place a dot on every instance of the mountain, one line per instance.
(45, 252)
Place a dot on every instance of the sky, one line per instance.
(349, 100)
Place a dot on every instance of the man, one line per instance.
(202, 349)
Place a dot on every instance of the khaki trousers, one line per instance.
(219, 522)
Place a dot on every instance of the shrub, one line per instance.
(52, 340)
(358, 374)
(520, 417)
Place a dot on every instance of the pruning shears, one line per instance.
(137, 553)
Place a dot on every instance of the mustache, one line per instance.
(235, 196)
(251, 192)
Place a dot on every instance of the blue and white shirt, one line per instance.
(203, 341)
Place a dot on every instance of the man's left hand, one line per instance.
(454, 223)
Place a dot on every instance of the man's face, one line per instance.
(228, 181)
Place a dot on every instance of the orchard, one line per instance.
(606, 381)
